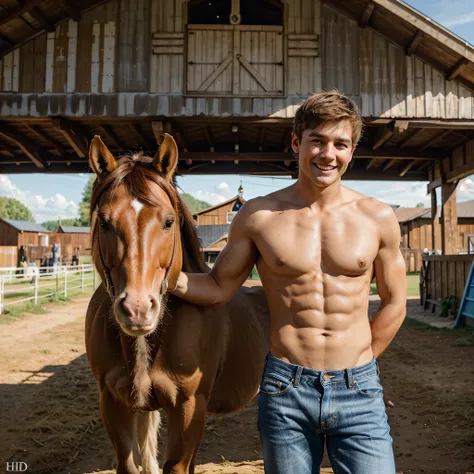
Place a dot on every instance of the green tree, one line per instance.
(194, 205)
(11, 208)
(85, 206)
(53, 225)
(420, 204)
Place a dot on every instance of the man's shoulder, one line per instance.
(377, 210)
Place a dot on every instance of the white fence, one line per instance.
(43, 282)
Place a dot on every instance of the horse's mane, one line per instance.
(135, 171)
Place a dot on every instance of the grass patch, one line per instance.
(413, 285)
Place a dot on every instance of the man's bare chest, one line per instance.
(335, 246)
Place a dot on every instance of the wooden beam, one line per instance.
(424, 165)
(437, 137)
(73, 136)
(435, 224)
(138, 131)
(389, 165)
(17, 10)
(415, 42)
(408, 167)
(25, 146)
(449, 219)
(39, 133)
(434, 123)
(6, 39)
(433, 185)
(72, 11)
(415, 134)
(460, 172)
(110, 135)
(371, 163)
(42, 19)
(367, 14)
(457, 69)
(384, 135)
(210, 142)
(181, 138)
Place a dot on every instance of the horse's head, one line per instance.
(135, 231)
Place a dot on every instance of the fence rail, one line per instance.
(42, 282)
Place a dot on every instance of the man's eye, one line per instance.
(169, 223)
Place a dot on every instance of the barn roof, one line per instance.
(205, 211)
(69, 229)
(399, 22)
(26, 226)
(465, 210)
(209, 234)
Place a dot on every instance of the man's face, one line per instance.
(324, 152)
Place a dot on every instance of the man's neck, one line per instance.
(318, 198)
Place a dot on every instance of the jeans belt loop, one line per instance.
(349, 378)
(297, 377)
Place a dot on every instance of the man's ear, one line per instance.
(166, 158)
(295, 143)
(101, 160)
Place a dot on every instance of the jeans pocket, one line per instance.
(273, 384)
(369, 387)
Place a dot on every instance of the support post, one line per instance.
(65, 282)
(449, 219)
(36, 279)
(82, 278)
(435, 225)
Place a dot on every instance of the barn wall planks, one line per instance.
(137, 52)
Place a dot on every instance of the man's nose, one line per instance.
(328, 151)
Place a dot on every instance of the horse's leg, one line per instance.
(148, 426)
(121, 424)
(185, 431)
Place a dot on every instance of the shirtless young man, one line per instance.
(316, 245)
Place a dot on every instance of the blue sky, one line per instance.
(53, 196)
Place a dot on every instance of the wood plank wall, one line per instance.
(384, 81)
(138, 46)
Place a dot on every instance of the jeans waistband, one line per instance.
(295, 372)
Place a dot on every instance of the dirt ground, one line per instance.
(50, 417)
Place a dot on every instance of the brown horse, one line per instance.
(147, 349)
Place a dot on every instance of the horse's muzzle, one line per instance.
(137, 312)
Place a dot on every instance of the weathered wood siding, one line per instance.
(379, 75)
(137, 53)
(215, 216)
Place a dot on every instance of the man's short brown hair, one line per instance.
(326, 107)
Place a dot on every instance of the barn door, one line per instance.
(258, 64)
(235, 60)
(209, 61)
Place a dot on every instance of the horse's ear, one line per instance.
(101, 160)
(166, 158)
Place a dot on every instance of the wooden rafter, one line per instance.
(389, 164)
(388, 131)
(415, 42)
(408, 167)
(7, 40)
(457, 69)
(138, 131)
(371, 163)
(25, 146)
(437, 137)
(73, 136)
(415, 134)
(262, 138)
(107, 131)
(44, 136)
(72, 11)
(18, 10)
(180, 136)
(42, 19)
(208, 134)
(367, 14)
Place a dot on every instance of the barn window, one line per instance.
(250, 12)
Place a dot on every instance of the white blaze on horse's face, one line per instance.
(137, 205)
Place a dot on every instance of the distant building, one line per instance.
(17, 233)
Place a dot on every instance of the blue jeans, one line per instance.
(301, 409)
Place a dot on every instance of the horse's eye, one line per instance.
(169, 223)
(104, 224)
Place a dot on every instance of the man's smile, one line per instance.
(324, 167)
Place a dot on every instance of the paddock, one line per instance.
(53, 423)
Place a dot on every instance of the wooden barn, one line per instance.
(225, 78)
(17, 233)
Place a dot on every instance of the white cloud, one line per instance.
(465, 190)
(223, 186)
(463, 19)
(42, 208)
(211, 198)
(406, 194)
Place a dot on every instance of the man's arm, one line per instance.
(232, 267)
(390, 277)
